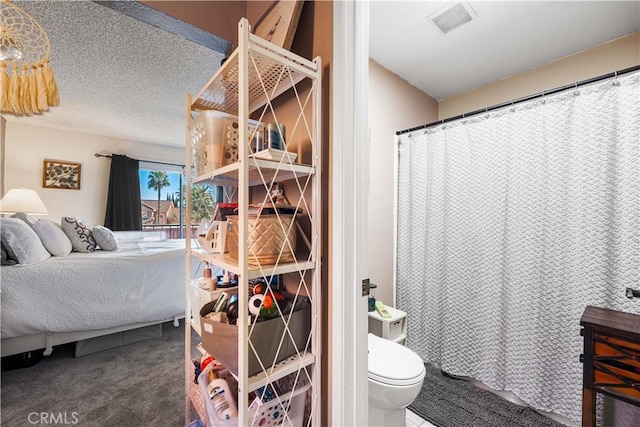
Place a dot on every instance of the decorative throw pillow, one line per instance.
(105, 238)
(53, 238)
(21, 242)
(80, 235)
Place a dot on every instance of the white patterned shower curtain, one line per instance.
(509, 224)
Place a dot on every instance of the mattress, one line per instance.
(141, 282)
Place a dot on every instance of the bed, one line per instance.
(86, 295)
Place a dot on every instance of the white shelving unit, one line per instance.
(247, 83)
(393, 328)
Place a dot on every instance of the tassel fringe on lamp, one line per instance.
(26, 79)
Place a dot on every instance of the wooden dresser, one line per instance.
(611, 358)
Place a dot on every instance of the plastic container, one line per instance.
(287, 410)
(199, 297)
(221, 340)
(393, 328)
(221, 397)
(212, 415)
(272, 413)
(214, 140)
(212, 236)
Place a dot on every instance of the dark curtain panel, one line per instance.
(123, 200)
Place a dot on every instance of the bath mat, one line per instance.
(449, 402)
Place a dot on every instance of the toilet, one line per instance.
(395, 379)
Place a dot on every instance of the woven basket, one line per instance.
(268, 235)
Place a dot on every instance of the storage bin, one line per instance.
(221, 340)
(214, 140)
(268, 235)
(199, 297)
(394, 328)
(212, 236)
(271, 413)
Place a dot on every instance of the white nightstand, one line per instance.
(394, 329)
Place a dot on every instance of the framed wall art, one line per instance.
(61, 174)
(279, 22)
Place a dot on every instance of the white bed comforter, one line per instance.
(141, 282)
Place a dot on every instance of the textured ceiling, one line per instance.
(506, 38)
(118, 76)
(123, 78)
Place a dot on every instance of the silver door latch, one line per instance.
(365, 287)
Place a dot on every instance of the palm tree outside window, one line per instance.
(158, 209)
(157, 181)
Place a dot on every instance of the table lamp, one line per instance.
(22, 200)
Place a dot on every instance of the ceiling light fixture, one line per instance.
(30, 87)
(452, 16)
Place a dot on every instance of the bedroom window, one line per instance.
(162, 197)
(160, 193)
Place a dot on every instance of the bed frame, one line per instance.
(48, 340)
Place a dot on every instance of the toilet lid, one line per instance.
(392, 363)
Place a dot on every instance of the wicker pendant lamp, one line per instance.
(26, 79)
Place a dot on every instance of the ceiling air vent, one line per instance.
(452, 16)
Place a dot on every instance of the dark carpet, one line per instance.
(449, 402)
(136, 385)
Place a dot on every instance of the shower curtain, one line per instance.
(509, 224)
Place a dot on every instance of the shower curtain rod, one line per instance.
(526, 98)
(145, 161)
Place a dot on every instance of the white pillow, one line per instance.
(52, 237)
(105, 238)
(80, 235)
(21, 242)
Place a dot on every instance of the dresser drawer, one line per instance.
(602, 378)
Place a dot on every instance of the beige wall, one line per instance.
(314, 37)
(27, 146)
(393, 105)
(603, 59)
(217, 17)
(3, 126)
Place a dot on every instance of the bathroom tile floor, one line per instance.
(414, 420)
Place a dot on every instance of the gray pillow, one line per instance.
(6, 260)
(80, 235)
(52, 237)
(21, 242)
(105, 238)
(26, 218)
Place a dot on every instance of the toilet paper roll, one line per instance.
(255, 303)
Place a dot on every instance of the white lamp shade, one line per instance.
(22, 200)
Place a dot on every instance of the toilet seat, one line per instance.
(392, 363)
